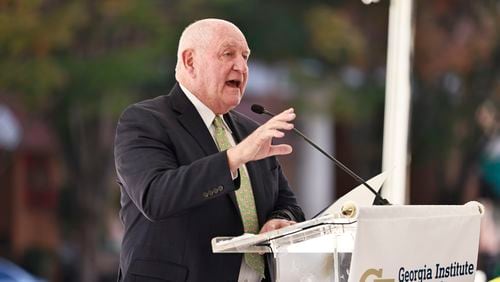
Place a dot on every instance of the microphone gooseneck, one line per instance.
(379, 200)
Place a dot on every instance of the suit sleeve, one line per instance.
(149, 172)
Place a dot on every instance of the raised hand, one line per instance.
(258, 145)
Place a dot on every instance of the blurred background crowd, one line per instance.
(68, 69)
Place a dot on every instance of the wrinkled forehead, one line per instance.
(229, 37)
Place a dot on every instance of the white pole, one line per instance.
(397, 101)
(316, 171)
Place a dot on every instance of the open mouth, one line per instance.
(233, 83)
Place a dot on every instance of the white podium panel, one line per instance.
(417, 243)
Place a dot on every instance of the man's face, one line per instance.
(222, 70)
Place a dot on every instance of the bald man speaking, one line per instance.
(190, 168)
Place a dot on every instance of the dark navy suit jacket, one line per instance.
(177, 192)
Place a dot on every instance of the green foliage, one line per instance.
(32, 79)
(358, 105)
(456, 69)
(30, 33)
(333, 36)
(86, 49)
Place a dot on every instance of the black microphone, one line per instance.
(379, 200)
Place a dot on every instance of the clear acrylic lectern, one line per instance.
(319, 249)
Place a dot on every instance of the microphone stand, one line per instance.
(379, 200)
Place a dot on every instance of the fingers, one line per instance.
(275, 224)
(272, 133)
(258, 145)
(274, 127)
(279, 122)
(282, 149)
(285, 116)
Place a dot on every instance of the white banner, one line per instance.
(416, 243)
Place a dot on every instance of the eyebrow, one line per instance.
(232, 45)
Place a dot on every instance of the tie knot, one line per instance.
(218, 123)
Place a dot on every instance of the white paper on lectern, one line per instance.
(361, 196)
(423, 243)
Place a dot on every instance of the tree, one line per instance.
(77, 64)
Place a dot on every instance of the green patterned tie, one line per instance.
(244, 197)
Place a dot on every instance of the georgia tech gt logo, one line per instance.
(374, 272)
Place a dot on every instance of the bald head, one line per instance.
(199, 36)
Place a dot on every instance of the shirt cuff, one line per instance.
(235, 175)
(282, 214)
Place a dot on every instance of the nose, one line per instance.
(241, 65)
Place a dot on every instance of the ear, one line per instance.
(188, 60)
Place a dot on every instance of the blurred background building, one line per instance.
(68, 69)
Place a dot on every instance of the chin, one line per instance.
(230, 104)
(233, 104)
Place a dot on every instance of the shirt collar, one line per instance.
(207, 115)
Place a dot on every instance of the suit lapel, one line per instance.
(191, 120)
